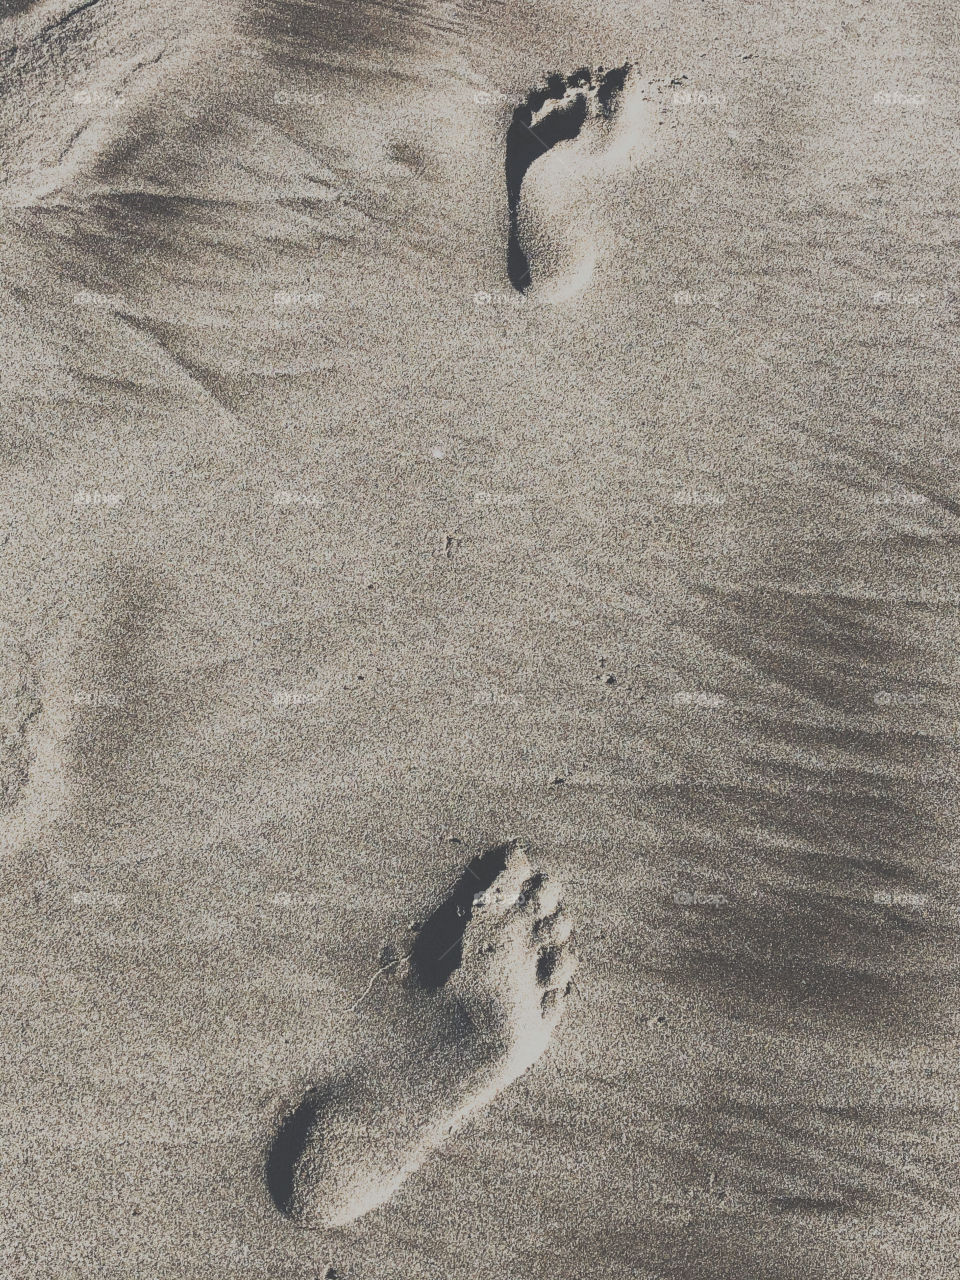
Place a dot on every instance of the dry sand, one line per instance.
(334, 562)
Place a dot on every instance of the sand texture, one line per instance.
(479, 626)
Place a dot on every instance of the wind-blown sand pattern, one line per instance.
(379, 488)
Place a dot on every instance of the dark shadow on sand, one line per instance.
(288, 1146)
(438, 949)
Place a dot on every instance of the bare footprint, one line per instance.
(484, 987)
(563, 141)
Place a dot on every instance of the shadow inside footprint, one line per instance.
(435, 954)
(534, 131)
(288, 1146)
(439, 945)
(347, 1147)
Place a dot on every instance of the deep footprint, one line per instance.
(485, 986)
(551, 114)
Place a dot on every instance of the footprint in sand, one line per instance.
(564, 140)
(482, 991)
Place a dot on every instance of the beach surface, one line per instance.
(498, 436)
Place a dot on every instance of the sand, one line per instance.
(342, 557)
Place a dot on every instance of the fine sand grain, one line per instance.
(478, 640)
